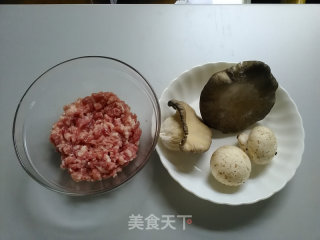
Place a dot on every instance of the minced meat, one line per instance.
(97, 136)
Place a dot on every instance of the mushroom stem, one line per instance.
(243, 140)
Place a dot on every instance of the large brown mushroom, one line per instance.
(239, 96)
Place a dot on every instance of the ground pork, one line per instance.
(97, 136)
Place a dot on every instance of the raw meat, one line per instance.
(97, 136)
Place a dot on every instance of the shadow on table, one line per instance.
(88, 214)
(206, 214)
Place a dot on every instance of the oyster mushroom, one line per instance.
(260, 144)
(171, 132)
(230, 165)
(239, 96)
(184, 131)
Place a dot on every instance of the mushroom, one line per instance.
(239, 96)
(171, 132)
(260, 144)
(230, 165)
(184, 131)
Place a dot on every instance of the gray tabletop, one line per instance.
(161, 42)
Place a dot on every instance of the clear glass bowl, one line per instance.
(43, 102)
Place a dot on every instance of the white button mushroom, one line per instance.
(260, 144)
(230, 165)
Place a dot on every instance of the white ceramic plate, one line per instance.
(192, 171)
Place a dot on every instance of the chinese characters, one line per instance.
(152, 222)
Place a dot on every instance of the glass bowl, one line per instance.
(42, 104)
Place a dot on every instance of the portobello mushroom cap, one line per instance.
(239, 96)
